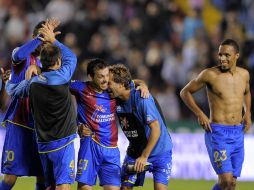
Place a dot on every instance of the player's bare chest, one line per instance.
(227, 85)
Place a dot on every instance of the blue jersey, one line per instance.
(18, 112)
(97, 110)
(50, 99)
(135, 115)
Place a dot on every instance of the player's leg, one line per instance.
(216, 187)
(109, 171)
(110, 187)
(126, 187)
(8, 182)
(36, 166)
(40, 183)
(63, 187)
(226, 181)
(225, 153)
(237, 156)
(161, 169)
(234, 183)
(130, 179)
(83, 186)
(63, 166)
(15, 158)
(87, 165)
(160, 186)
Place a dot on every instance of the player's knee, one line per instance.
(83, 186)
(226, 184)
(126, 188)
(63, 187)
(234, 183)
(10, 179)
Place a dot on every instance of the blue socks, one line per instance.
(5, 186)
(216, 187)
(40, 186)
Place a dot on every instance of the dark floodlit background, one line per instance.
(164, 42)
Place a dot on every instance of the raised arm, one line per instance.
(69, 62)
(186, 95)
(21, 53)
(68, 58)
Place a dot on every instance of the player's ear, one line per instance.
(90, 78)
(237, 55)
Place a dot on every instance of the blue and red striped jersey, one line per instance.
(98, 111)
(18, 111)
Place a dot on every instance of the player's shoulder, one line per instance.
(243, 72)
(39, 79)
(211, 70)
(207, 74)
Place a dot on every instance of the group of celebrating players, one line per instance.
(42, 120)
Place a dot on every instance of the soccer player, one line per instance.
(20, 155)
(98, 154)
(228, 91)
(143, 125)
(52, 109)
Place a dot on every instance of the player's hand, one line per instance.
(32, 70)
(140, 164)
(47, 34)
(143, 90)
(84, 130)
(204, 121)
(246, 121)
(53, 23)
(5, 75)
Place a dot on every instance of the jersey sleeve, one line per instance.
(148, 109)
(21, 53)
(69, 62)
(76, 86)
(19, 90)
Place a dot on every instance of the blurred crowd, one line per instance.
(164, 42)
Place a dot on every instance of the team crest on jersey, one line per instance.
(98, 109)
(148, 118)
(42, 78)
(124, 123)
(118, 108)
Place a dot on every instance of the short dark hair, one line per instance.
(232, 43)
(95, 64)
(121, 75)
(37, 27)
(49, 55)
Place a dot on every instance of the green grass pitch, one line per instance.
(27, 183)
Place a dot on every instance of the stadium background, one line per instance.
(164, 42)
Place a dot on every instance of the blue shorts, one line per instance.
(161, 169)
(225, 146)
(59, 165)
(94, 159)
(20, 155)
